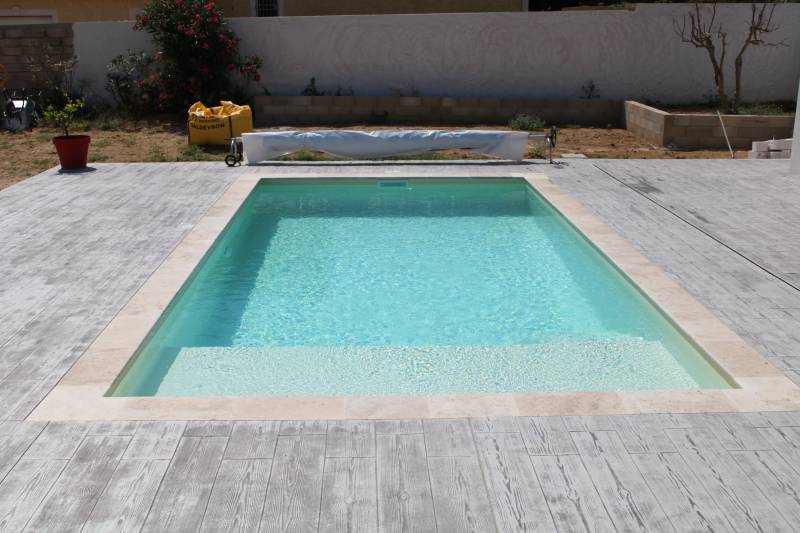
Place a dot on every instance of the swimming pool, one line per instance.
(417, 286)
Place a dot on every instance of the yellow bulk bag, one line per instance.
(214, 125)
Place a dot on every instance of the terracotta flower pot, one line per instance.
(73, 150)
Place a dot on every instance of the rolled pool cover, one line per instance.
(262, 146)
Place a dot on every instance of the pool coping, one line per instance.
(80, 394)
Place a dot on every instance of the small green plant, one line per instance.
(104, 143)
(589, 90)
(527, 123)
(98, 158)
(157, 155)
(194, 152)
(109, 122)
(311, 89)
(66, 116)
(536, 152)
(129, 142)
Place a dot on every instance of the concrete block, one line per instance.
(321, 100)
(365, 101)
(277, 100)
(388, 101)
(299, 100)
(410, 101)
(512, 102)
(59, 31)
(763, 133)
(779, 144)
(343, 101)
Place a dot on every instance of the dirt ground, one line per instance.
(164, 139)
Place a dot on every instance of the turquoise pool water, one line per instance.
(418, 286)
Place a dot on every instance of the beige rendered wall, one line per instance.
(72, 10)
(630, 55)
(385, 7)
(25, 11)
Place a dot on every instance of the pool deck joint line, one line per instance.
(80, 395)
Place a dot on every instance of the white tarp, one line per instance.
(261, 146)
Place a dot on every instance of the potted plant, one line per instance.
(73, 150)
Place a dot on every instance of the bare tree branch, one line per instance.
(761, 25)
(699, 28)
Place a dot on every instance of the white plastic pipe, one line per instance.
(795, 164)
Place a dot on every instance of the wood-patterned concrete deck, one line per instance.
(73, 249)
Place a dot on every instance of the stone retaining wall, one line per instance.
(322, 110)
(26, 49)
(698, 131)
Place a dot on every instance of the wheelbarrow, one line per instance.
(235, 153)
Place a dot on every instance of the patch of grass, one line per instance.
(103, 143)
(308, 156)
(535, 152)
(758, 108)
(156, 155)
(109, 122)
(97, 157)
(129, 142)
(41, 162)
(527, 123)
(193, 152)
(426, 156)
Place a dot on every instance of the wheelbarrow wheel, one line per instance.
(231, 160)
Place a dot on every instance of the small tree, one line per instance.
(65, 116)
(700, 28)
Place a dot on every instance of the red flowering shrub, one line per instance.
(197, 53)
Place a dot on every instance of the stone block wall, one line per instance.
(25, 49)
(338, 110)
(645, 122)
(693, 131)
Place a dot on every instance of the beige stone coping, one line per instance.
(81, 392)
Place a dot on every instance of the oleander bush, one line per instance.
(197, 55)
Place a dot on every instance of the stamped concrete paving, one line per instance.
(74, 248)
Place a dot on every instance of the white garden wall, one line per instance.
(629, 54)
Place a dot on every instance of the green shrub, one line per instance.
(65, 116)
(527, 123)
(311, 89)
(132, 82)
